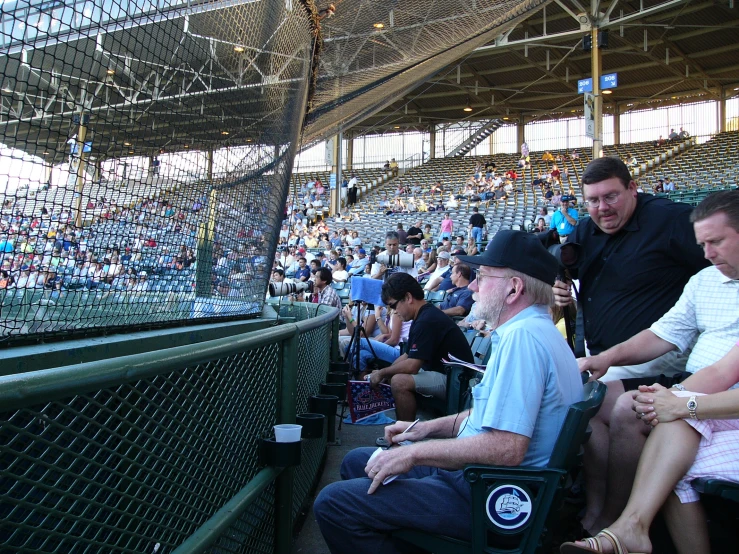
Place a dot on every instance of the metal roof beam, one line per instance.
(147, 18)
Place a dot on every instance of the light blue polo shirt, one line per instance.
(560, 223)
(531, 379)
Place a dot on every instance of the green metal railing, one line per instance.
(157, 452)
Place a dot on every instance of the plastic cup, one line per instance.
(288, 432)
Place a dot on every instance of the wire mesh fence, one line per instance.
(142, 464)
(139, 462)
(145, 152)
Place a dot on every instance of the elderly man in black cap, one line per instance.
(531, 379)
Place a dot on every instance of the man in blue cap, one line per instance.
(519, 406)
(359, 263)
(565, 219)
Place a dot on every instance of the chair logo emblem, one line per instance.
(508, 507)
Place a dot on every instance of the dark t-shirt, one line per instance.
(433, 336)
(477, 220)
(631, 279)
(402, 236)
(414, 231)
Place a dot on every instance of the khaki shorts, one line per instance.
(430, 383)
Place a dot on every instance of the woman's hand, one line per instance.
(655, 404)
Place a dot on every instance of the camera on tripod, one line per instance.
(284, 288)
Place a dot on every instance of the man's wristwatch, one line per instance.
(692, 407)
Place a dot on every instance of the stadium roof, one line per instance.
(664, 52)
(177, 74)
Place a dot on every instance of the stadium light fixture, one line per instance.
(239, 49)
(396, 127)
(126, 144)
(607, 91)
(224, 132)
(467, 108)
(379, 26)
(110, 71)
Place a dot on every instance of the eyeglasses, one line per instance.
(480, 277)
(394, 305)
(609, 199)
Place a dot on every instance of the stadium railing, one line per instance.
(158, 451)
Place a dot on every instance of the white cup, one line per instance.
(288, 432)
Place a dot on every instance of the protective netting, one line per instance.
(375, 52)
(145, 153)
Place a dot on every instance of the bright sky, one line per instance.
(18, 168)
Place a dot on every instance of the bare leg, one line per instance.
(404, 392)
(627, 437)
(687, 525)
(667, 456)
(596, 457)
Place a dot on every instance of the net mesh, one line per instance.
(146, 146)
(364, 68)
(142, 464)
(146, 149)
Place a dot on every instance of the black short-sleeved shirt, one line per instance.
(414, 231)
(477, 220)
(433, 336)
(631, 279)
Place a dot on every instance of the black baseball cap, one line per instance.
(519, 251)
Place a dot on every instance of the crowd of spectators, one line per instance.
(148, 246)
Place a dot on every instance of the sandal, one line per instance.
(594, 544)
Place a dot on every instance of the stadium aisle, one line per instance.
(309, 540)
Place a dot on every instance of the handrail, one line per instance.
(21, 389)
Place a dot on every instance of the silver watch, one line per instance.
(693, 407)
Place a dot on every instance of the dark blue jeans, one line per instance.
(427, 499)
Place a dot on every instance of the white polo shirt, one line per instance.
(707, 314)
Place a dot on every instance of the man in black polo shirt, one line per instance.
(638, 253)
(433, 336)
(477, 225)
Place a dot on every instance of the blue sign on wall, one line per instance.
(585, 85)
(608, 81)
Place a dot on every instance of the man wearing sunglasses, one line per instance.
(432, 336)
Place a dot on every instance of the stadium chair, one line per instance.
(533, 495)
(436, 297)
(715, 487)
(345, 295)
